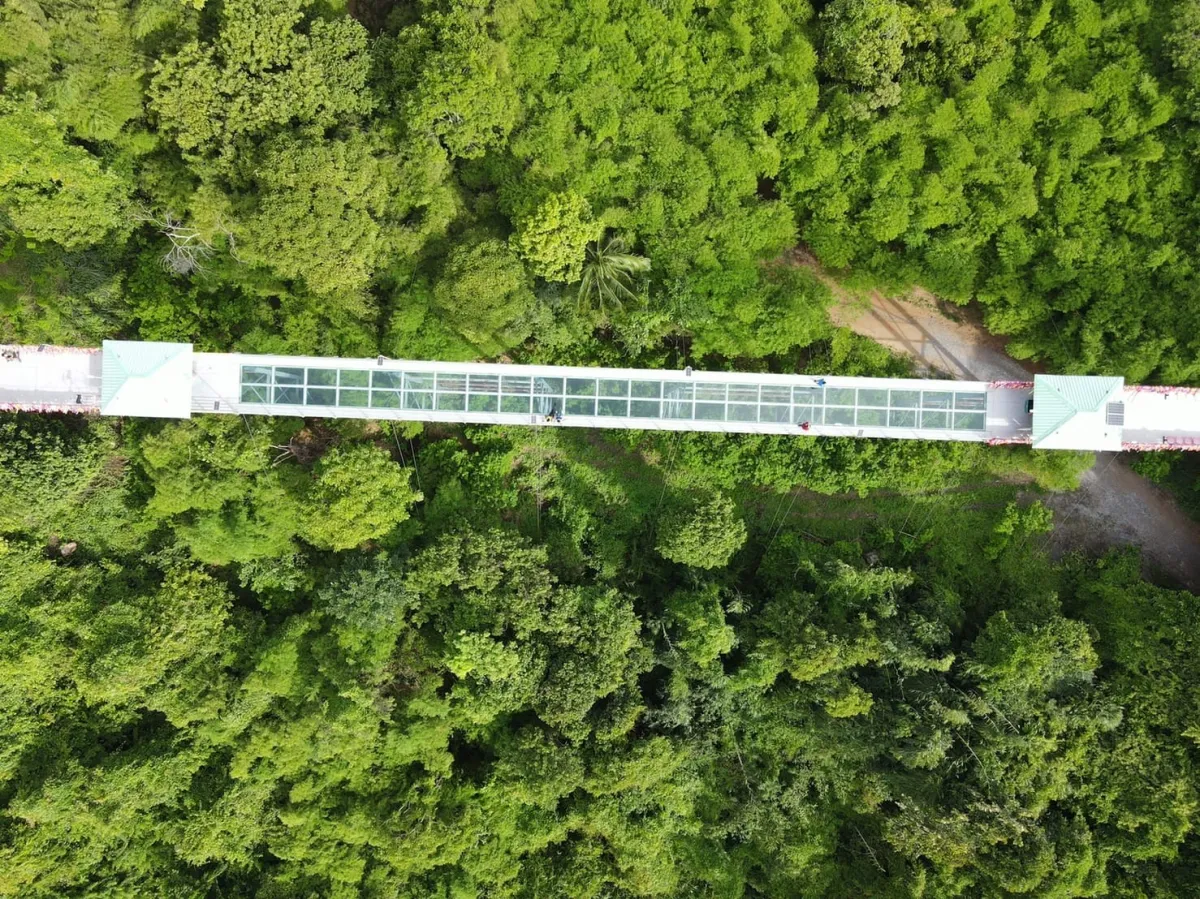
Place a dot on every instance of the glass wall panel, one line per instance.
(581, 405)
(935, 399)
(614, 407)
(673, 390)
(645, 408)
(839, 396)
(970, 421)
(352, 377)
(415, 380)
(804, 396)
(872, 418)
(902, 418)
(581, 386)
(289, 376)
(256, 374)
(647, 389)
(354, 398)
(971, 402)
(392, 380)
(773, 393)
(516, 385)
(741, 412)
(484, 384)
(773, 413)
(743, 393)
(483, 402)
(677, 400)
(712, 393)
(548, 385)
(322, 377)
(385, 399)
(451, 402)
(614, 388)
(515, 404)
(452, 383)
(906, 399)
(292, 396)
(710, 411)
(935, 420)
(838, 416)
(322, 396)
(418, 399)
(255, 394)
(872, 397)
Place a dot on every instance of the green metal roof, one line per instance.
(1059, 398)
(128, 368)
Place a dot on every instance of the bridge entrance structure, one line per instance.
(170, 380)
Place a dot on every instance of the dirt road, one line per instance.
(1113, 507)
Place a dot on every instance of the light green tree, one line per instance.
(50, 189)
(319, 212)
(272, 63)
(701, 534)
(358, 494)
(553, 237)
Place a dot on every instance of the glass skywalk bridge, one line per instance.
(594, 397)
(171, 381)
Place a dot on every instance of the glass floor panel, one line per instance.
(872, 418)
(836, 415)
(482, 402)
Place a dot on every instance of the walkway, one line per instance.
(169, 380)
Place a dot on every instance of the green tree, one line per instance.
(270, 64)
(485, 295)
(863, 43)
(51, 189)
(358, 494)
(320, 212)
(608, 271)
(704, 533)
(553, 237)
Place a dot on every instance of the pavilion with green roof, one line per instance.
(146, 379)
(1078, 413)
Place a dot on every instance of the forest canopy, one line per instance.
(293, 658)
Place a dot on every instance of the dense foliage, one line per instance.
(582, 669)
(435, 181)
(284, 658)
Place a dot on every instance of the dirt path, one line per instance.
(923, 328)
(1113, 507)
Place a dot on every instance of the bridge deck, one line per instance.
(49, 379)
(896, 408)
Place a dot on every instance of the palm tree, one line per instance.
(608, 274)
